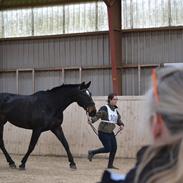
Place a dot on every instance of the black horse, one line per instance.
(41, 112)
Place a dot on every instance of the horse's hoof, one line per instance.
(12, 165)
(73, 166)
(22, 167)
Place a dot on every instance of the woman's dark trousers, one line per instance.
(110, 146)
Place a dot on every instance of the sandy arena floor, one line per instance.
(48, 169)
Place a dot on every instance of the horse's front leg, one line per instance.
(34, 138)
(60, 135)
(8, 158)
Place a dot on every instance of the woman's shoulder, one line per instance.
(103, 108)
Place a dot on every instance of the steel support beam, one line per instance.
(114, 19)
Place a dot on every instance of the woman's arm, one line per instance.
(119, 122)
(101, 114)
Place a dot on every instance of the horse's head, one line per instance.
(84, 99)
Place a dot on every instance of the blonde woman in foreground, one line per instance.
(161, 162)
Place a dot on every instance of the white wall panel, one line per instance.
(17, 23)
(48, 20)
(79, 134)
(151, 13)
(176, 12)
(1, 23)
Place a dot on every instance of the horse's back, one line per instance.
(10, 104)
(26, 111)
(5, 97)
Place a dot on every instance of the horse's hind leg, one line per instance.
(34, 138)
(60, 135)
(8, 158)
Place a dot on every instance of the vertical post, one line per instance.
(80, 74)
(63, 75)
(33, 80)
(114, 19)
(139, 79)
(17, 78)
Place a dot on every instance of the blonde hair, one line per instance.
(170, 107)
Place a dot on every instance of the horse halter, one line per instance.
(90, 103)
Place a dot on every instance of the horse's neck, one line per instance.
(64, 97)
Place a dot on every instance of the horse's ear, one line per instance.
(82, 86)
(88, 84)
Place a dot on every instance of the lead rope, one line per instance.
(118, 131)
(90, 123)
(94, 129)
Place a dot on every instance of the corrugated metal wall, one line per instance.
(152, 47)
(148, 47)
(80, 51)
(79, 134)
(70, 51)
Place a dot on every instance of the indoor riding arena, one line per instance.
(50, 44)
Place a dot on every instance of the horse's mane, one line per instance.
(55, 89)
(63, 86)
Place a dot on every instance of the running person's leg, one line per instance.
(112, 152)
(105, 138)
